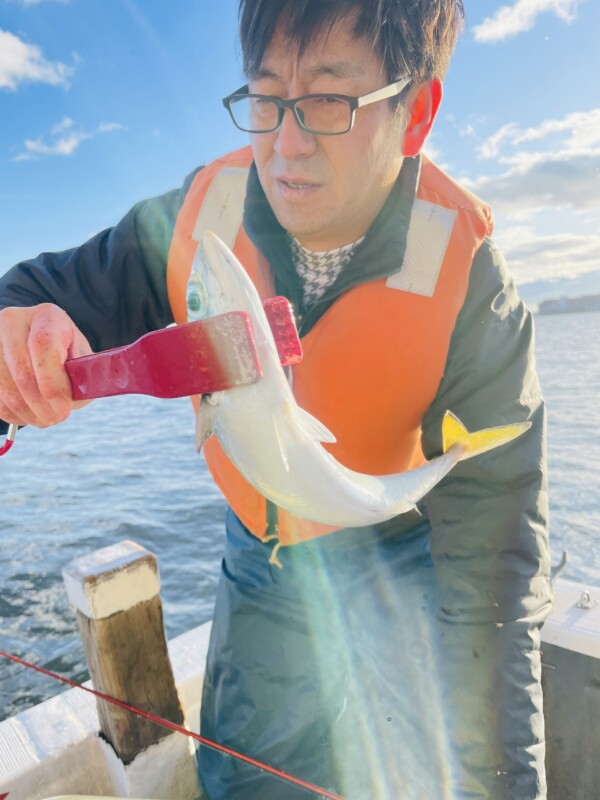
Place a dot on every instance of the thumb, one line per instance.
(79, 345)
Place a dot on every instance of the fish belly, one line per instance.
(300, 476)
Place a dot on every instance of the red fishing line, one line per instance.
(174, 727)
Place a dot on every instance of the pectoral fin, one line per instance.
(204, 422)
(310, 427)
(292, 422)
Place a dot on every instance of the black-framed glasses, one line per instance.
(321, 114)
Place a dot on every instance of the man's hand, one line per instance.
(34, 345)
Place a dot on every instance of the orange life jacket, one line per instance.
(373, 362)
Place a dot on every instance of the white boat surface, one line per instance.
(54, 750)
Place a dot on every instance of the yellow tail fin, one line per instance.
(455, 433)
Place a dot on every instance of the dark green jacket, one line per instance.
(488, 517)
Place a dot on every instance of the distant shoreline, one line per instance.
(570, 305)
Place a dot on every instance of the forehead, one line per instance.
(335, 51)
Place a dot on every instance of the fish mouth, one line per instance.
(222, 275)
(208, 270)
(213, 253)
(212, 246)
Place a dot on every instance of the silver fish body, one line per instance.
(275, 444)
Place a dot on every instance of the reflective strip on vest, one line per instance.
(373, 362)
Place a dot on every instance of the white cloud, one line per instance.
(564, 170)
(65, 124)
(21, 62)
(492, 145)
(109, 127)
(583, 128)
(535, 257)
(431, 149)
(63, 140)
(561, 180)
(62, 146)
(509, 21)
(545, 194)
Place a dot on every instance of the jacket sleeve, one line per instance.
(489, 545)
(114, 285)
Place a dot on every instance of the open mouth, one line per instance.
(297, 186)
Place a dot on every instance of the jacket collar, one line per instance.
(379, 255)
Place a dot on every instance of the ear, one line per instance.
(423, 102)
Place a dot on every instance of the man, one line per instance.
(395, 662)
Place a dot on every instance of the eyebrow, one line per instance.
(337, 69)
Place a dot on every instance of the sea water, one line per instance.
(126, 468)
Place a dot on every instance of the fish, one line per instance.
(278, 446)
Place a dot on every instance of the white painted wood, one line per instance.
(112, 579)
(571, 626)
(54, 748)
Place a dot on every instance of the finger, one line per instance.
(51, 337)
(35, 342)
(19, 394)
(10, 411)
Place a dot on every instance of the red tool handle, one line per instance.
(196, 358)
(281, 319)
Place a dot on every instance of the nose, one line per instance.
(292, 141)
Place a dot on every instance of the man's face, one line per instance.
(327, 190)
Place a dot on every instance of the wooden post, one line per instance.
(115, 592)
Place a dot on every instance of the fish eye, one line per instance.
(196, 298)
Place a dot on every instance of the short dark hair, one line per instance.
(412, 37)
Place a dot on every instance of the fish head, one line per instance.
(218, 283)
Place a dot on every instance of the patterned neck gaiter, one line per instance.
(318, 271)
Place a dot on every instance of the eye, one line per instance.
(196, 298)
(328, 100)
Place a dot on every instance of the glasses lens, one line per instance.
(254, 113)
(325, 114)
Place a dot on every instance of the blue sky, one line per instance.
(104, 102)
